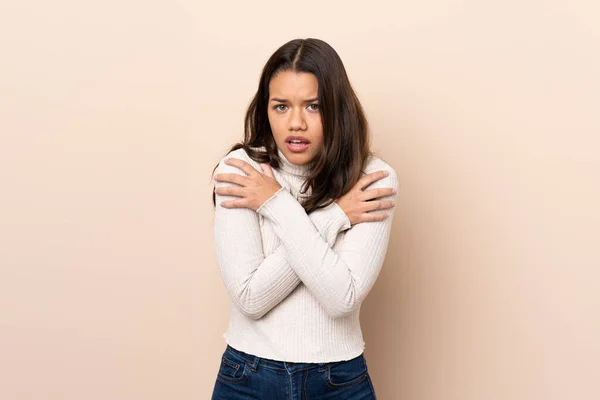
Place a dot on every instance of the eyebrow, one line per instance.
(311, 100)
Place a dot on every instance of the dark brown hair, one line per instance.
(346, 143)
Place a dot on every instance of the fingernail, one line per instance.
(394, 191)
(386, 173)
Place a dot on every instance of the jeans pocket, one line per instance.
(342, 374)
(233, 368)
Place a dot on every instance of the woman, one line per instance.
(300, 240)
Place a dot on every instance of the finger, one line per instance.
(232, 178)
(377, 205)
(376, 193)
(241, 164)
(230, 191)
(239, 203)
(267, 170)
(370, 178)
(373, 217)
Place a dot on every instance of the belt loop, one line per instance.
(254, 363)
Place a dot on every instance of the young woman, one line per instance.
(302, 222)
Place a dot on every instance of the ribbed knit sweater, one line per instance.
(297, 280)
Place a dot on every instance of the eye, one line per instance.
(280, 107)
(313, 107)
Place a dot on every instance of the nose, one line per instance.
(297, 121)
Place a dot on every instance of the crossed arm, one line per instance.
(338, 280)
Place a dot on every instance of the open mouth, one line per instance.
(297, 140)
(297, 144)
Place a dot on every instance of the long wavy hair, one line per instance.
(346, 142)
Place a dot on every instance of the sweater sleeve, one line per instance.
(256, 283)
(339, 280)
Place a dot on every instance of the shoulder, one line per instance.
(375, 164)
(240, 154)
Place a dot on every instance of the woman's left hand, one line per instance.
(254, 189)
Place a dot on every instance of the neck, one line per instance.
(293, 169)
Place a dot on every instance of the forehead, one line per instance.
(293, 84)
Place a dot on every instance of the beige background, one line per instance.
(113, 114)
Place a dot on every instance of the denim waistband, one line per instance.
(255, 361)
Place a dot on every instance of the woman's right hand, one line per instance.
(356, 202)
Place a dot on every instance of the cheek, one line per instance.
(276, 124)
(318, 131)
(319, 123)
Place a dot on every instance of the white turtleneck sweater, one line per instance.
(297, 281)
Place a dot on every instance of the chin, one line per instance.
(299, 159)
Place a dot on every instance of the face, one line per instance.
(294, 115)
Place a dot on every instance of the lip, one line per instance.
(297, 148)
(290, 138)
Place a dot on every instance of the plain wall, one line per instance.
(114, 113)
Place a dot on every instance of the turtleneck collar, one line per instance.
(293, 169)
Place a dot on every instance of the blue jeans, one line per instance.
(243, 376)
